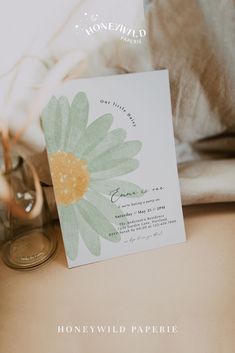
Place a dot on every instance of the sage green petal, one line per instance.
(105, 165)
(78, 120)
(70, 230)
(115, 156)
(48, 118)
(112, 212)
(113, 138)
(98, 221)
(118, 153)
(89, 236)
(123, 168)
(63, 111)
(92, 136)
(117, 188)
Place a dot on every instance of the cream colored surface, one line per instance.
(191, 285)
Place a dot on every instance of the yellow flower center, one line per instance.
(70, 177)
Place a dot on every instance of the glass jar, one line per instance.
(26, 242)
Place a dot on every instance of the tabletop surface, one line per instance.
(189, 285)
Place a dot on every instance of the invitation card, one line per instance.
(112, 156)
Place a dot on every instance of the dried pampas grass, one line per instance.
(6, 194)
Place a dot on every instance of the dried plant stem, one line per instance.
(5, 189)
(6, 148)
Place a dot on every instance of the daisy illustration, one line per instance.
(85, 161)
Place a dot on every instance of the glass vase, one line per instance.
(26, 242)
